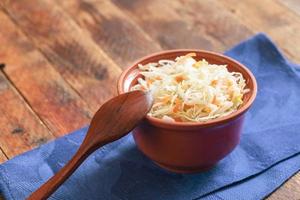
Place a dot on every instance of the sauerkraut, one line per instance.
(187, 90)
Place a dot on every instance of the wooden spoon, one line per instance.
(112, 121)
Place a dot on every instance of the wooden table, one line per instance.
(62, 58)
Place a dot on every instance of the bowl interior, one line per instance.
(130, 76)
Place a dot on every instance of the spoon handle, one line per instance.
(114, 119)
(54, 182)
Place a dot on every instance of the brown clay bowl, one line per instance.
(187, 147)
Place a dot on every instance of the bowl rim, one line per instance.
(212, 122)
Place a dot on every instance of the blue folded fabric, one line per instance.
(269, 152)
(261, 185)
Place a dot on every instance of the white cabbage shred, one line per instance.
(186, 90)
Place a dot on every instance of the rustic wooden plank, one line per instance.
(20, 128)
(290, 190)
(270, 17)
(166, 26)
(108, 25)
(3, 158)
(50, 96)
(294, 5)
(74, 54)
(211, 16)
(111, 29)
(221, 27)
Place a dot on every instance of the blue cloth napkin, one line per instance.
(269, 152)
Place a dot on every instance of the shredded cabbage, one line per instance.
(189, 90)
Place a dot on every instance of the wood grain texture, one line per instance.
(290, 190)
(111, 29)
(166, 26)
(3, 158)
(20, 128)
(221, 25)
(74, 54)
(49, 95)
(270, 17)
(294, 5)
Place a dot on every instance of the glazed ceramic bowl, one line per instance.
(187, 147)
